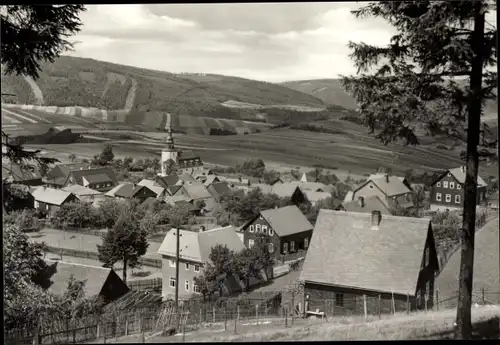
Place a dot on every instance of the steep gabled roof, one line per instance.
(196, 246)
(369, 204)
(219, 188)
(153, 186)
(459, 175)
(50, 195)
(286, 220)
(345, 251)
(390, 186)
(197, 191)
(95, 277)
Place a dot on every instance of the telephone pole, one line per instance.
(177, 251)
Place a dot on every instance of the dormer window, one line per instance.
(251, 228)
(257, 228)
(264, 229)
(438, 184)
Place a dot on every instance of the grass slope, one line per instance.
(72, 81)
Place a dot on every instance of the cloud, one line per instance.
(272, 42)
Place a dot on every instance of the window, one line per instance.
(449, 175)
(197, 268)
(438, 184)
(257, 228)
(438, 196)
(457, 199)
(459, 186)
(445, 184)
(285, 247)
(271, 248)
(292, 246)
(271, 232)
(260, 217)
(187, 267)
(448, 197)
(339, 299)
(452, 185)
(172, 263)
(306, 243)
(251, 228)
(264, 229)
(250, 243)
(196, 289)
(171, 282)
(186, 285)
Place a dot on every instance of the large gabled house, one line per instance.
(390, 189)
(85, 194)
(447, 191)
(403, 179)
(128, 190)
(219, 189)
(352, 255)
(174, 180)
(283, 190)
(101, 179)
(58, 175)
(288, 228)
(194, 254)
(48, 200)
(160, 191)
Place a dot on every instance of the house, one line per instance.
(49, 200)
(289, 229)
(128, 190)
(315, 197)
(99, 281)
(303, 178)
(85, 194)
(173, 180)
(447, 190)
(382, 175)
(101, 179)
(20, 175)
(486, 270)
(380, 256)
(155, 187)
(235, 182)
(58, 175)
(312, 186)
(283, 190)
(193, 255)
(219, 189)
(366, 205)
(391, 190)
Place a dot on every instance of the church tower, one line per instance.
(168, 153)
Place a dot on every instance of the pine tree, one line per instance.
(434, 74)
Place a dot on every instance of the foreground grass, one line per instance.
(431, 325)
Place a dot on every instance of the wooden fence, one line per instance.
(95, 256)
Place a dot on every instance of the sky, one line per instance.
(273, 42)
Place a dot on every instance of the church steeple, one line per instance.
(170, 138)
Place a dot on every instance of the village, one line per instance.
(378, 240)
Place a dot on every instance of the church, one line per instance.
(185, 162)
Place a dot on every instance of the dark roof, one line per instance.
(173, 189)
(345, 251)
(219, 188)
(19, 173)
(197, 191)
(63, 170)
(369, 204)
(105, 174)
(126, 190)
(286, 220)
(60, 272)
(184, 155)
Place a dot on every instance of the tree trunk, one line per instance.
(125, 270)
(464, 326)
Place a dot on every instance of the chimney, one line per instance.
(361, 201)
(387, 178)
(376, 217)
